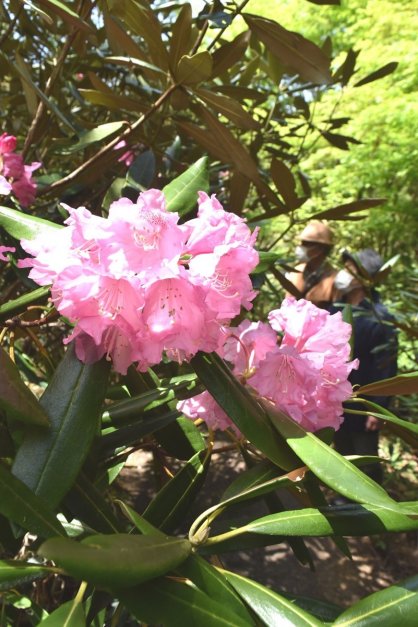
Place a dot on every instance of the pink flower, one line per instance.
(6, 249)
(12, 167)
(132, 290)
(306, 375)
(215, 226)
(126, 157)
(225, 276)
(24, 187)
(205, 407)
(247, 345)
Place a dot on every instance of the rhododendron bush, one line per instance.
(137, 196)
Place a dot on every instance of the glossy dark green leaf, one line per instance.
(181, 438)
(49, 462)
(133, 62)
(143, 526)
(211, 581)
(242, 408)
(131, 408)
(294, 51)
(328, 465)
(16, 305)
(16, 399)
(228, 107)
(385, 70)
(69, 614)
(173, 500)
(181, 192)
(14, 573)
(323, 610)
(342, 210)
(117, 560)
(19, 504)
(401, 384)
(142, 171)
(177, 603)
(395, 605)
(87, 503)
(23, 226)
(339, 141)
(269, 606)
(128, 435)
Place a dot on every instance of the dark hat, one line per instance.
(368, 261)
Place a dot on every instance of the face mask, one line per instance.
(301, 254)
(344, 281)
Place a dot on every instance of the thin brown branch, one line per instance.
(95, 159)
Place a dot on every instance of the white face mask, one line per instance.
(302, 254)
(344, 281)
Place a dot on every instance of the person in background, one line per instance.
(375, 345)
(314, 279)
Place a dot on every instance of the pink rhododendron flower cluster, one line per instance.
(15, 176)
(138, 285)
(299, 362)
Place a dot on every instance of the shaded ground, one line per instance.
(376, 563)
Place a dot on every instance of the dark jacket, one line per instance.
(375, 345)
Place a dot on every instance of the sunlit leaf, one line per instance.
(23, 226)
(401, 384)
(181, 192)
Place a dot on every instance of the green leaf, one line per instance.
(342, 210)
(22, 226)
(181, 192)
(211, 581)
(377, 74)
(397, 604)
(72, 401)
(285, 183)
(242, 408)
(385, 414)
(86, 503)
(230, 53)
(328, 465)
(402, 384)
(96, 134)
(177, 603)
(294, 51)
(269, 606)
(66, 14)
(22, 506)
(182, 35)
(69, 614)
(194, 69)
(181, 438)
(16, 399)
(124, 436)
(19, 304)
(133, 62)
(343, 520)
(14, 573)
(117, 560)
(112, 101)
(228, 107)
(174, 499)
(20, 67)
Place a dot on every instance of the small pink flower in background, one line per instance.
(6, 249)
(304, 372)
(128, 156)
(12, 167)
(134, 287)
